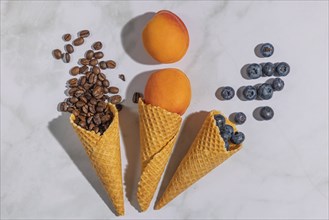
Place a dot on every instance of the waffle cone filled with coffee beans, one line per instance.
(94, 114)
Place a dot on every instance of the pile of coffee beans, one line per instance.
(88, 90)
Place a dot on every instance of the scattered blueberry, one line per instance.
(228, 93)
(267, 50)
(254, 71)
(249, 92)
(220, 120)
(268, 69)
(240, 118)
(237, 138)
(277, 84)
(266, 113)
(226, 130)
(282, 69)
(265, 91)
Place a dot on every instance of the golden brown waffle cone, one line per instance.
(158, 133)
(206, 153)
(104, 153)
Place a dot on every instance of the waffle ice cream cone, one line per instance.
(104, 154)
(158, 132)
(206, 153)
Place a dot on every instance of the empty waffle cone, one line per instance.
(158, 133)
(206, 153)
(104, 153)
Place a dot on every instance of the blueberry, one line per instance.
(268, 69)
(265, 91)
(227, 145)
(226, 131)
(267, 50)
(228, 93)
(237, 138)
(254, 71)
(282, 69)
(220, 120)
(249, 92)
(240, 118)
(277, 84)
(266, 113)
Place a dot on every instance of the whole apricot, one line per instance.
(165, 37)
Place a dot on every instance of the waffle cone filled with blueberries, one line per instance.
(94, 116)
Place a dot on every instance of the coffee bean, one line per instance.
(66, 58)
(96, 129)
(91, 126)
(102, 65)
(81, 88)
(97, 119)
(87, 86)
(92, 78)
(78, 41)
(99, 109)
(99, 55)
(99, 83)
(87, 74)
(83, 69)
(57, 54)
(63, 106)
(106, 83)
(116, 99)
(70, 109)
(79, 104)
(105, 90)
(101, 76)
(74, 71)
(97, 92)
(101, 104)
(136, 97)
(72, 91)
(84, 99)
(78, 93)
(113, 90)
(105, 118)
(73, 100)
(82, 80)
(96, 70)
(84, 61)
(92, 109)
(97, 45)
(67, 37)
(89, 54)
(69, 48)
(88, 95)
(84, 33)
(122, 77)
(75, 112)
(111, 64)
(85, 108)
(89, 119)
(119, 107)
(93, 62)
(82, 124)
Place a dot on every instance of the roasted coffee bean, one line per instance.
(136, 97)
(91, 126)
(82, 124)
(89, 54)
(96, 70)
(101, 103)
(83, 114)
(74, 71)
(122, 77)
(119, 107)
(111, 64)
(96, 129)
(72, 91)
(92, 78)
(67, 37)
(89, 119)
(105, 118)
(79, 104)
(69, 48)
(78, 93)
(101, 76)
(102, 65)
(84, 99)
(84, 33)
(99, 55)
(70, 109)
(87, 74)
(63, 106)
(97, 119)
(66, 58)
(84, 61)
(73, 82)
(97, 92)
(93, 62)
(87, 86)
(106, 83)
(97, 45)
(78, 41)
(112, 89)
(75, 112)
(116, 99)
(73, 100)
(99, 83)
(85, 109)
(99, 109)
(82, 80)
(57, 54)
(93, 101)
(92, 109)
(81, 88)
(106, 90)
(83, 69)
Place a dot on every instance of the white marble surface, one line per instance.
(282, 171)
